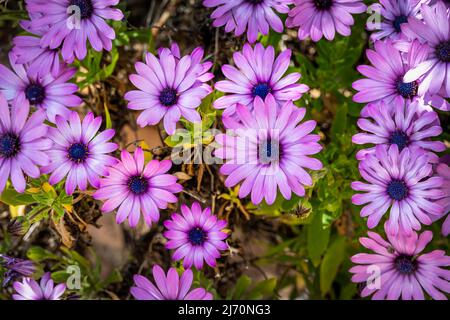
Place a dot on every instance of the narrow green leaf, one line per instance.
(241, 286)
(317, 238)
(12, 198)
(107, 117)
(330, 264)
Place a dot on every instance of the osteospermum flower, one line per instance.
(71, 23)
(434, 71)
(30, 289)
(269, 150)
(403, 125)
(399, 269)
(53, 94)
(16, 268)
(196, 235)
(169, 87)
(136, 188)
(23, 143)
(252, 15)
(317, 18)
(385, 76)
(401, 183)
(443, 170)
(395, 13)
(258, 74)
(79, 152)
(40, 60)
(170, 287)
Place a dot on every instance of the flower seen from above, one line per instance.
(399, 268)
(385, 76)
(169, 87)
(30, 289)
(400, 183)
(443, 170)
(80, 153)
(268, 150)
(70, 23)
(52, 94)
(253, 16)
(323, 18)
(136, 188)
(403, 125)
(197, 236)
(23, 143)
(257, 73)
(395, 13)
(434, 31)
(170, 287)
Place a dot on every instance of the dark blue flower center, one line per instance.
(35, 93)
(323, 4)
(399, 138)
(398, 21)
(9, 145)
(86, 7)
(443, 51)
(138, 184)
(168, 97)
(405, 264)
(78, 152)
(397, 190)
(261, 90)
(255, 1)
(197, 236)
(269, 151)
(407, 90)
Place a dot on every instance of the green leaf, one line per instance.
(340, 121)
(263, 289)
(60, 276)
(330, 264)
(107, 117)
(39, 254)
(241, 286)
(318, 236)
(12, 198)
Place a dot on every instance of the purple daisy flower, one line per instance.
(197, 235)
(400, 268)
(53, 94)
(258, 75)
(395, 13)
(252, 15)
(403, 125)
(16, 268)
(269, 150)
(169, 87)
(135, 188)
(79, 152)
(400, 182)
(65, 32)
(29, 289)
(170, 287)
(434, 31)
(317, 18)
(443, 170)
(40, 60)
(23, 143)
(385, 76)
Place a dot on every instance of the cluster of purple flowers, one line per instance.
(267, 147)
(404, 178)
(314, 18)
